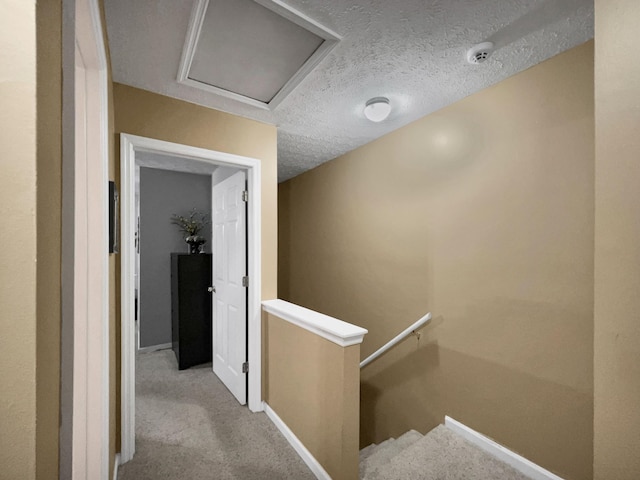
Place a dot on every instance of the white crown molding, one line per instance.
(334, 330)
(331, 40)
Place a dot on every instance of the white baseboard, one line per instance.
(516, 461)
(153, 348)
(295, 442)
(116, 464)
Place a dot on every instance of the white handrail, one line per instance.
(397, 339)
(334, 330)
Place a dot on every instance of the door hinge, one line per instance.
(245, 281)
(245, 195)
(245, 367)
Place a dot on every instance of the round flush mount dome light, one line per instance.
(377, 109)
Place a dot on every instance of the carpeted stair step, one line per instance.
(382, 456)
(366, 452)
(442, 454)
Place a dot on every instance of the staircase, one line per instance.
(441, 454)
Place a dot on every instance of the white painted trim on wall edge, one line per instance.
(116, 465)
(129, 145)
(90, 40)
(154, 348)
(496, 450)
(297, 445)
(334, 330)
(104, 155)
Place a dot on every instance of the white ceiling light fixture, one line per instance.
(377, 109)
(479, 53)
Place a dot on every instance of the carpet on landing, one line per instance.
(189, 426)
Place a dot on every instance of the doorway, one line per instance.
(130, 146)
(165, 187)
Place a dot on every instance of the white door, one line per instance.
(229, 266)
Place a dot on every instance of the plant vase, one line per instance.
(196, 243)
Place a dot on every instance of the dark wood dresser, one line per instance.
(191, 308)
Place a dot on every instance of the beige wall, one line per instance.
(18, 239)
(147, 114)
(49, 39)
(313, 386)
(617, 245)
(482, 213)
(114, 281)
(150, 115)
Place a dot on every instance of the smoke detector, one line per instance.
(479, 53)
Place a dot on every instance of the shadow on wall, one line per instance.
(545, 14)
(284, 236)
(414, 388)
(374, 429)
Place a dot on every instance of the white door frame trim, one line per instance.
(129, 145)
(85, 334)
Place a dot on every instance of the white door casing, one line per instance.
(229, 266)
(84, 434)
(80, 298)
(129, 145)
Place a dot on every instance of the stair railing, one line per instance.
(397, 339)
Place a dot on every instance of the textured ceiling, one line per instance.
(411, 51)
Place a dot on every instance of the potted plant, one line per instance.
(190, 226)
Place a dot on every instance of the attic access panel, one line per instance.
(255, 51)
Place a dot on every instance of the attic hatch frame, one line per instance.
(129, 145)
(330, 41)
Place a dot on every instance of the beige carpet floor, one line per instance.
(189, 426)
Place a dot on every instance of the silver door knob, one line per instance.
(211, 289)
